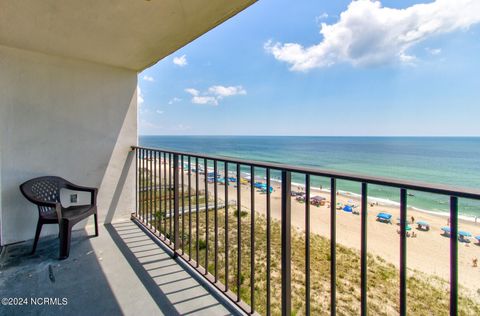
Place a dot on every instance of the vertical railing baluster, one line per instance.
(165, 196)
(155, 216)
(137, 204)
(307, 244)
(140, 187)
(181, 169)
(226, 227)
(215, 205)
(252, 239)
(176, 191)
(268, 228)
(189, 208)
(150, 191)
(363, 282)
(286, 244)
(205, 162)
(333, 246)
(239, 232)
(147, 188)
(403, 252)
(159, 157)
(143, 186)
(453, 255)
(197, 223)
(170, 233)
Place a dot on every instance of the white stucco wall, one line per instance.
(64, 117)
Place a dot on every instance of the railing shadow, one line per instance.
(174, 289)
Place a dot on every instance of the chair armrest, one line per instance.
(55, 205)
(93, 191)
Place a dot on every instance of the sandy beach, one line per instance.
(428, 252)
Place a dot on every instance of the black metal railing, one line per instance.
(164, 177)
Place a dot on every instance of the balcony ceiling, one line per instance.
(131, 34)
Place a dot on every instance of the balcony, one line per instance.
(155, 262)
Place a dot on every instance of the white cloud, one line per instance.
(140, 99)
(192, 91)
(214, 94)
(174, 100)
(368, 34)
(180, 61)
(321, 17)
(148, 78)
(221, 91)
(434, 51)
(204, 100)
(159, 112)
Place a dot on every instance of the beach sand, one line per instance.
(429, 252)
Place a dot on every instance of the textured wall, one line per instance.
(69, 118)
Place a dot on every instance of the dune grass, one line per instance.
(426, 294)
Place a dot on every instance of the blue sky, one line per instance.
(376, 69)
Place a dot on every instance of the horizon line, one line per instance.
(266, 135)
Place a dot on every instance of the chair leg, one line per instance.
(96, 224)
(37, 236)
(65, 238)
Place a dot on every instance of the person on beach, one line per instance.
(413, 219)
(474, 262)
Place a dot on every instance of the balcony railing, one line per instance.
(174, 190)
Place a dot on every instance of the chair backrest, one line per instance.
(43, 189)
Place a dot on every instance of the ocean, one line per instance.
(453, 161)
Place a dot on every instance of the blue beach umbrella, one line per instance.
(446, 229)
(464, 234)
(423, 223)
(384, 216)
(348, 208)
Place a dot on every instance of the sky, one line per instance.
(323, 68)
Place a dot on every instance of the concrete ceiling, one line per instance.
(131, 34)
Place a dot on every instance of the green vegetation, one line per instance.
(427, 295)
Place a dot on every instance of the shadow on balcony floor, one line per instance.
(123, 271)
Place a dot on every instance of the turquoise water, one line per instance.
(444, 160)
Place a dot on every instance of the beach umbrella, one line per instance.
(348, 208)
(446, 229)
(408, 228)
(464, 234)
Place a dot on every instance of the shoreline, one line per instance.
(387, 202)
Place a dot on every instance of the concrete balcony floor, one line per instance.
(121, 272)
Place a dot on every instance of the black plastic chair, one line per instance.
(45, 193)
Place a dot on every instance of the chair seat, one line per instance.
(77, 213)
